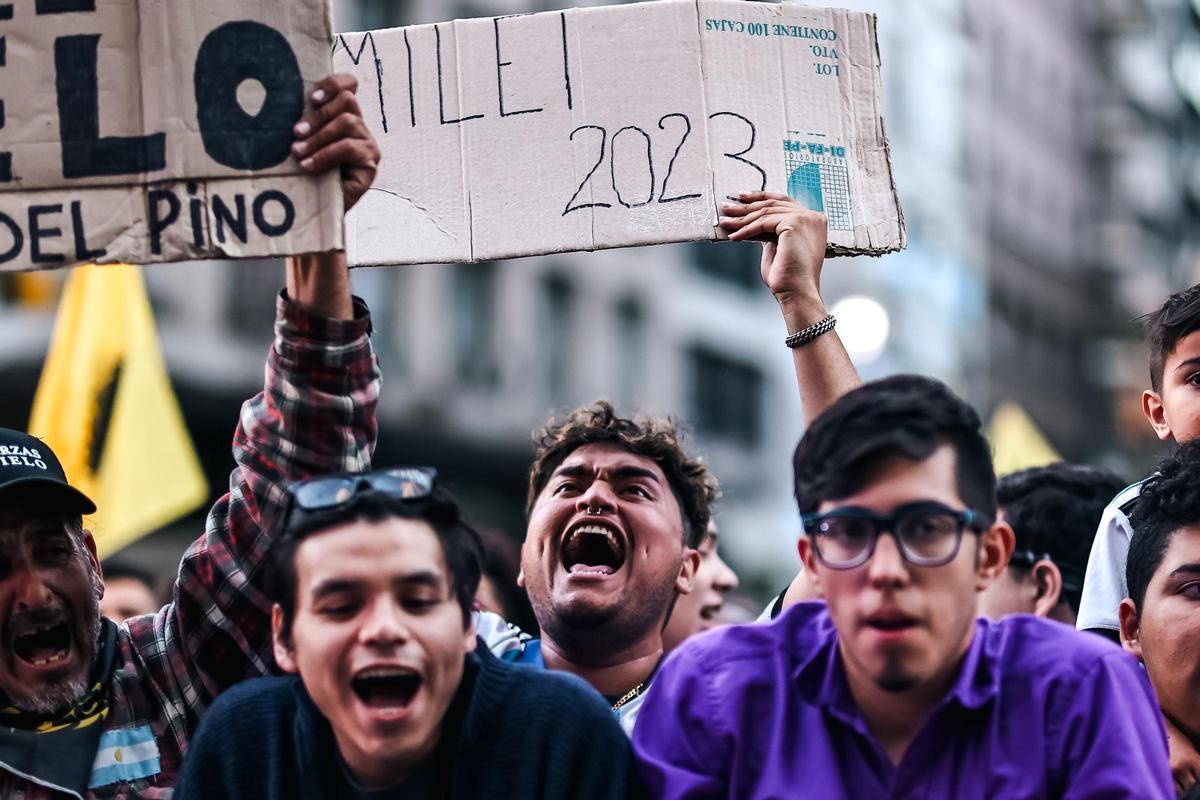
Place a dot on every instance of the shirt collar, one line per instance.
(979, 679)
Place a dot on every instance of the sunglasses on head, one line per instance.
(334, 491)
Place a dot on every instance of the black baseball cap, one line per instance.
(28, 462)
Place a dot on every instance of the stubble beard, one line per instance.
(58, 695)
(589, 634)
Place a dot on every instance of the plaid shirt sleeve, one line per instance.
(316, 414)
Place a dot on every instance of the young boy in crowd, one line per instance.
(893, 687)
(373, 580)
(1160, 620)
(1053, 512)
(1172, 407)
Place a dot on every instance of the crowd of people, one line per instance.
(947, 635)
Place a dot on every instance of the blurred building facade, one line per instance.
(1046, 155)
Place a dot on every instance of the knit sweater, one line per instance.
(511, 732)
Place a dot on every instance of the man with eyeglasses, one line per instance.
(373, 579)
(1054, 512)
(893, 687)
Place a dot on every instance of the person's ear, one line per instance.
(996, 546)
(1047, 581)
(1131, 638)
(687, 570)
(1156, 415)
(89, 548)
(808, 557)
(285, 657)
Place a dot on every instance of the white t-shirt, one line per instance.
(1104, 584)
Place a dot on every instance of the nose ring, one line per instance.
(595, 512)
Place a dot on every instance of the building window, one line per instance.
(474, 322)
(727, 397)
(630, 340)
(557, 336)
(734, 262)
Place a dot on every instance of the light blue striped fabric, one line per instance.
(125, 755)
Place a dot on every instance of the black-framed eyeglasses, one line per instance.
(333, 491)
(927, 534)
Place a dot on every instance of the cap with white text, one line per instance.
(28, 462)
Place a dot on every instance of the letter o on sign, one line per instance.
(233, 53)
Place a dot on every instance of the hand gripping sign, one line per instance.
(617, 125)
(159, 131)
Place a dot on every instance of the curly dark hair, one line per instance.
(905, 415)
(1174, 319)
(1169, 500)
(656, 438)
(1055, 510)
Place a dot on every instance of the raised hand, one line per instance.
(334, 134)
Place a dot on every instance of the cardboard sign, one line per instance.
(615, 126)
(157, 131)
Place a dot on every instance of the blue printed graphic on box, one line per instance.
(818, 178)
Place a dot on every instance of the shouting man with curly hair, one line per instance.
(616, 510)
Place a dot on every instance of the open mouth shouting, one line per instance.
(42, 641)
(593, 549)
(388, 691)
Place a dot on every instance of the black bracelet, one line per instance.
(803, 337)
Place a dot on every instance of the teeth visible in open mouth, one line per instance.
(385, 687)
(43, 645)
(53, 659)
(592, 550)
(384, 672)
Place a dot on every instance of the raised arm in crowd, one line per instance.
(96, 709)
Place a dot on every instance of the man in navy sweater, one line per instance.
(374, 578)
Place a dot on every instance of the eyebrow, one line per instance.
(1186, 569)
(622, 473)
(1189, 363)
(336, 585)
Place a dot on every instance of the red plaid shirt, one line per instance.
(315, 415)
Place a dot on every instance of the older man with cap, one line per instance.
(95, 709)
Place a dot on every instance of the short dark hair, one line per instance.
(1174, 319)
(460, 543)
(1055, 511)
(655, 438)
(908, 416)
(121, 570)
(1168, 500)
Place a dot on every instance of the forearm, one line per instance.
(321, 283)
(824, 371)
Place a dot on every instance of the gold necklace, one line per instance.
(632, 693)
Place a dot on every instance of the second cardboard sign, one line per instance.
(617, 126)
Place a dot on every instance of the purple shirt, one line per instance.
(1038, 710)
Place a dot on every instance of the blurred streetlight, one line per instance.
(863, 325)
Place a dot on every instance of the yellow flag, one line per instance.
(1016, 441)
(105, 406)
